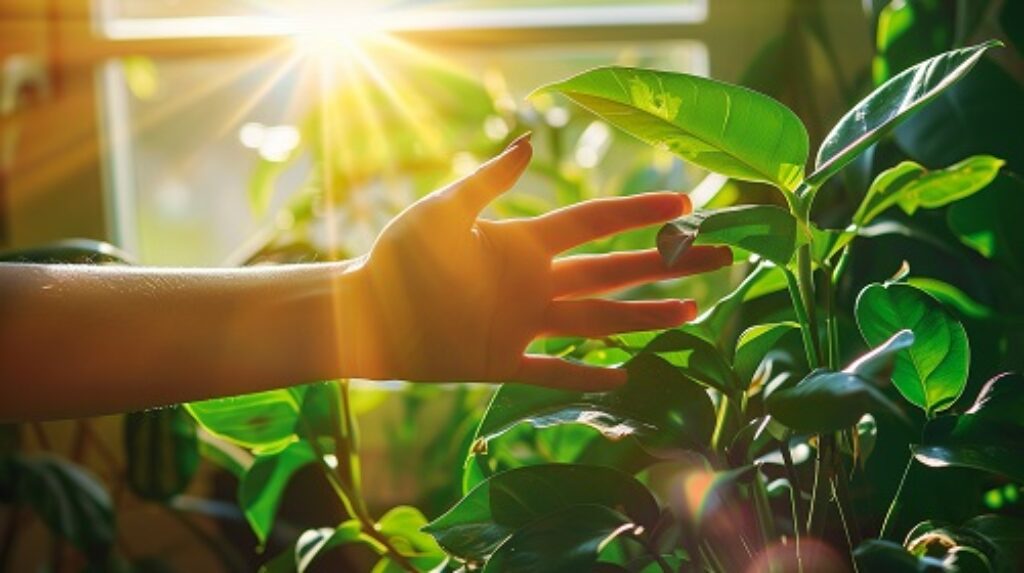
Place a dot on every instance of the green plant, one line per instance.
(735, 416)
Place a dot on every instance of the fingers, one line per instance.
(595, 274)
(493, 178)
(570, 226)
(557, 373)
(595, 317)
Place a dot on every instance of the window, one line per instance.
(208, 108)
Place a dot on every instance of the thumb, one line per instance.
(495, 177)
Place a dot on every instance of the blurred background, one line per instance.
(232, 132)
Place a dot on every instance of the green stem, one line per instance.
(801, 316)
(831, 321)
(805, 281)
(887, 523)
(844, 502)
(822, 484)
(764, 515)
(794, 496)
(727, 414)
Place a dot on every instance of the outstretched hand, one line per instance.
(454, 297)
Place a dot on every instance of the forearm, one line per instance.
(78, 340)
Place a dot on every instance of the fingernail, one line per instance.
(689, 309)
(524, 138)
(725, 256)
(687, 203)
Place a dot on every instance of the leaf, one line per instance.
(403, 526)
(877, 114)
(932, 373)
(724, 128)
(311, 544)
(569, 539)
(161, 452)
(989, 222)
(264, 421)
(510, 500)
(762, 229)
(657, 404)
(989, 436)
(952, 296)
(827, 401)
(911, 186)
(261, 488)
(695, 357)
(755, 343)
(1006, 533)
(878, 555)
(67, 498)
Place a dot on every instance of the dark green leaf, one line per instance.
(911, 186)
(878, 555)
(695, 357)
(893, 101)
(755, 343)
(762, 229)
(951, 296)
(827, 401)
(1007, 534)
(161, 452)
(510, 500)
(989, 222)
(569, 539)
(658, 404)
(989, 436)
(932, 373)
(261, 488)
(725, 128)
(67, 498)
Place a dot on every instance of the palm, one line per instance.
(461, 298)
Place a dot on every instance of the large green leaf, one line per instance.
(265, 421)
(725, 128)
(496, 508)
(261, 488)
(762, 229)
(568, 539)
(657, 404)
(67, 498)
(403, 526)
(878, 555)
(827, 401)
(695, 357)
(882, 110)
(932, 373)
(911, 186)
(989, 436)
(161, 452)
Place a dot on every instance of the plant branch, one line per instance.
(887, 523)
(801, 315)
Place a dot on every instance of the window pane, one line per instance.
(211, 155)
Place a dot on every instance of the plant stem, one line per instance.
(801, 316)
(822, 484)
(794, 497)
(844, 503)
(764, 514)
(805, 281)
(831, 323)
(887, 523)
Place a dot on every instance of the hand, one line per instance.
(455, 297)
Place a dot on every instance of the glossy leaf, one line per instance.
(264, 421)
(569, 539)
(724, 128)
(989, 436)
(261, 488)
(932, 373)
(67, 498)
(311, 544)
(762, 229)
(878, 555)
(510, 500)
(911, 186)
(755, 343)
(695, 357)
(657, 404)
(880, 112)
(1006, 533)
(827, 401)
(953, 297)
(161, 452)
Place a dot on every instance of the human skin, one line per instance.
(442, 296)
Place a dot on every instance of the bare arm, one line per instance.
(442, 296)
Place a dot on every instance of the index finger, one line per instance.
(570, 226)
